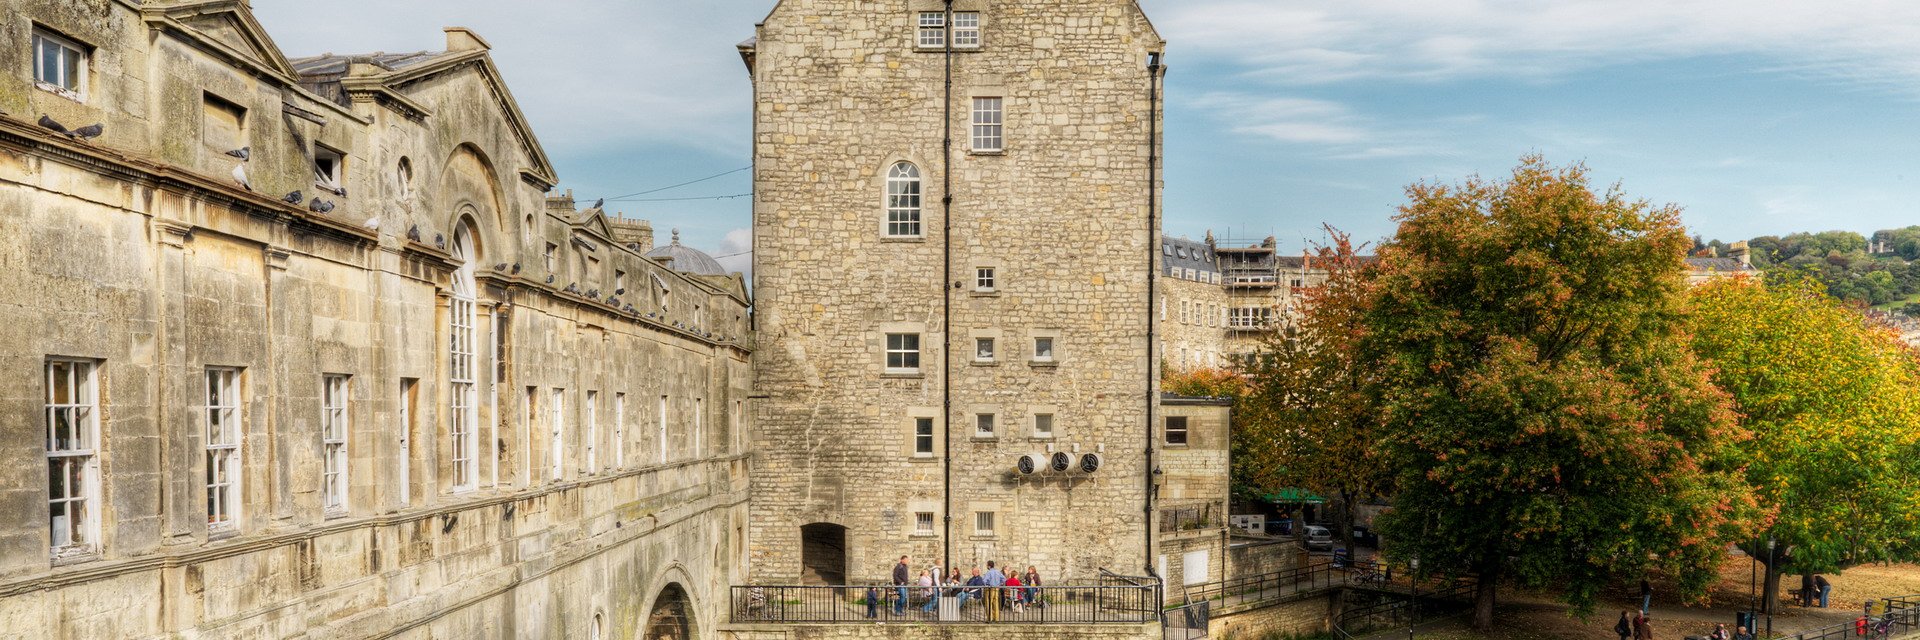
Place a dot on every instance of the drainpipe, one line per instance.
(946, 303)
(1153, 276)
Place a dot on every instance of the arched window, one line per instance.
(464, 415)
(404, 175)
(903, 201)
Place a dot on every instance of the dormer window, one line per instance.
(59, 64)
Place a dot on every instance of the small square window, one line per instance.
(983, 279)
(923, 523)
(1176, 433)
(983, 523)
(923, 437)
(59, 64)
(983, 425)
(1043, 425)
(329, 168)
(933, 29)
(966, 30)
(983, 349)
(1043, 349)
(903, 353)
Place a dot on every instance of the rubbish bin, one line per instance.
(1745, 619)
(1341, 557)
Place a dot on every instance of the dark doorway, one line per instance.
(823, 554)
(672, 615)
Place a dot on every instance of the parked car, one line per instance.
(1319, 537)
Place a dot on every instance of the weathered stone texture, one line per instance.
(137, 251)
(841, 94)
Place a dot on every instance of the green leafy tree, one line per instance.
(1546, 419)
(1314, 390)
(1830, 400)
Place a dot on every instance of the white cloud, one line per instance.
(736, 251)
(1309, 41)
(600, 75)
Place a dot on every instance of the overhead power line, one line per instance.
(737, 195)
(628, 197)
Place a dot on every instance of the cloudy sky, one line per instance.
(1757, 117)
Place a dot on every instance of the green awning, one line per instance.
(1295, 496)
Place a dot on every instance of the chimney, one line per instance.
(1739, 250)
(464, 39)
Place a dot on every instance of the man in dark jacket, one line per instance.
(1825, 588)
(1623, 628)
(902, 576)
(1646, 596)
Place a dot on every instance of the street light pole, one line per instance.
(1753, 588)
(1770, 560)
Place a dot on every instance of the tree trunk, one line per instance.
(1770, 595)
(1343, 520)
(1483, 600)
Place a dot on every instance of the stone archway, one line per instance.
(823, 554)
(672, 615)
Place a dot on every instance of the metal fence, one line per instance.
(1900, 616)
(1410, 610)
(1187, 622)
(1268, 588)
(1104, 604)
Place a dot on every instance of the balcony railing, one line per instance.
(1107, 604)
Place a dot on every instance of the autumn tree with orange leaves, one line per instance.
(1538, 399)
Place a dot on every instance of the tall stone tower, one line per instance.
(954, 238)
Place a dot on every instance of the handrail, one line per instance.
(945, 604)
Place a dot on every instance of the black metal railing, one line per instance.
(1187, 622)
(1411, 609)
(1268, 588)
(1102, 604)
(1899, 616)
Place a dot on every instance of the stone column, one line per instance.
(183, 507)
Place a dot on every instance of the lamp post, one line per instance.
(1753, 589)
(1770, 560)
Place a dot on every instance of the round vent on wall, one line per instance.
(1090, 463)
(1029, 464)
(1060, 462)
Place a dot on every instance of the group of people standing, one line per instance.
(996, 588)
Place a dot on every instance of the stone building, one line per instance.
(927, 312)
(1194, 489)
(1222, 299)
(301, 348)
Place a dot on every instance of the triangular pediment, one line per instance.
(594, 221)
(481, 62)
(226, 26)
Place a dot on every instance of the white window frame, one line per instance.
(409, 394)
(984, 280)
(331, 178)
(902, 358)
(593, 429)
(699, 426)
(989, 125)
(983, 523)
(930, 30)
(966, 30)
(923, 523)
(334, 428)
(71, 80)
(1043, 348)
(620, 430)
(985, 425)
(73, 520)
(924, 438)
(1043, 419)
(557, 436)
(988, 354)
(225, 430)
(904, 202)
(663, 429)
(1185, 430)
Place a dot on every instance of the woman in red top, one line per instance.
(1013, 587)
